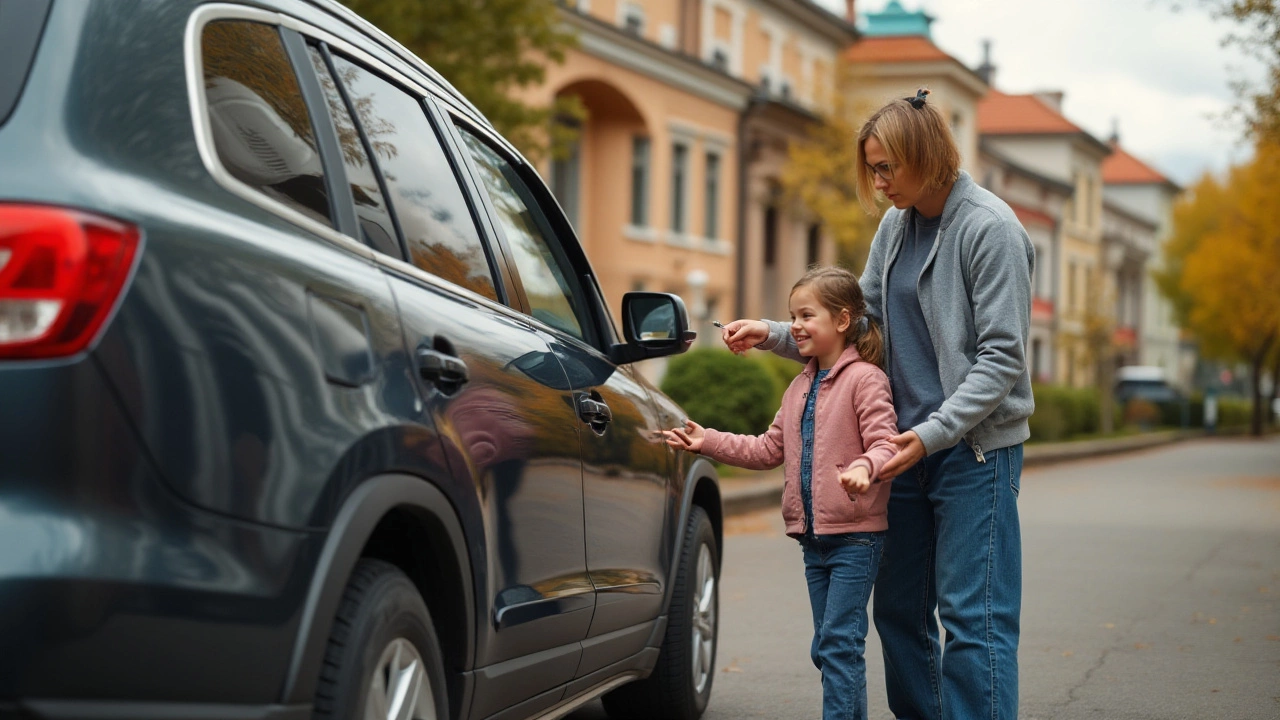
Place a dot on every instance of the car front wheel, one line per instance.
(680, 685)
(383, 661)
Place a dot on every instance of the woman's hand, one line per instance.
(742, 335)
(856, 480)
(687, 438)
(910, 450)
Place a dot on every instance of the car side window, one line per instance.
(433, 214)
(262, 130)
(544, 270)
(372, 212)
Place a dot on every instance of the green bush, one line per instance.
(782, 370)
(722, 390)
(1234, 412)
(1063, 412)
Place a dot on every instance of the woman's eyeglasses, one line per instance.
(884, 170)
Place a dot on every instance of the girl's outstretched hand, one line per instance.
(856, 480)
(687, 438)
(742, 335)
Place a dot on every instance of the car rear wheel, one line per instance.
(383, 661)
(680, 685)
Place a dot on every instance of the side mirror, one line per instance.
(654, 325)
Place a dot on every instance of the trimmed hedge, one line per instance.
(724, 391)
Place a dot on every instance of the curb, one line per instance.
(763, 494)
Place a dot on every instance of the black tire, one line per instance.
(381, 622)
(671, 692)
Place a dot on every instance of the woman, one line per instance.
(949, 279)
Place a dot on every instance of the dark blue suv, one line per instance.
(310, 404)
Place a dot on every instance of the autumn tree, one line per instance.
(1257, 33)
(1222, 266)
(487, 49)
(821, 174)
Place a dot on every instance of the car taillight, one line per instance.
(60, 274)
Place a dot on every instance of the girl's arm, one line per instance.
(877, 422)
(754, 452)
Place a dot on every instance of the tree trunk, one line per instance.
(1275, 387)
(1258, 359)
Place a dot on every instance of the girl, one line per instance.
(949, 275)
(832, 432)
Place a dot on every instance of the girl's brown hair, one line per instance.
(914, 135)
(838, 290)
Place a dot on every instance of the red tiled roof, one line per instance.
(1001, 114)
(1121, 168)
(907, 48)
(1034, 217)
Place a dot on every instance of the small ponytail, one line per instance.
(870, 342)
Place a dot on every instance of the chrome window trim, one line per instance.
(204, 130)
(208, 154)
(205, 14)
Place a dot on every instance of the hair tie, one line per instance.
(917, 102)
(863, 326)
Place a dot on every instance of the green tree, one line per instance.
(488, 50)
(1222, 264)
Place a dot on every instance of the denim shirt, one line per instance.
(806, 456)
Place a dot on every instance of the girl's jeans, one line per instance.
(840, 570)
(954, 545)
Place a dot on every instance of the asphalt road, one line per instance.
(1151, 592)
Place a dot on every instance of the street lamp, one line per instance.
(697, 280)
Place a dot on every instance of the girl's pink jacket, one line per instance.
(853, 422)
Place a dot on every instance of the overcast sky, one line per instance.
(1163, 75)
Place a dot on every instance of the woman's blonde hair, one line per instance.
(838, 290)
(914, 135)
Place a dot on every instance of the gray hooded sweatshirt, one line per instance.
(975, 295)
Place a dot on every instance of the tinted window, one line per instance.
(261, 128)
(543, 269)
(376, 225)
(433, 214)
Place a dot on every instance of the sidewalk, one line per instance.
(748, 491)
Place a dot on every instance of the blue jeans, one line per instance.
(840, 570)
(954, 545)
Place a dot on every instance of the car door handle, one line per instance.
(594, 411)
(445, 371)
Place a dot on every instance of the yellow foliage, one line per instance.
(1225, 257)
(821, 172)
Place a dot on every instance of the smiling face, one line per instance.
(816, 331)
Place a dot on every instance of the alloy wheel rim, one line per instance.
(704, 620)
(398, 688)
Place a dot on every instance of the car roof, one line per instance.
(376, 34)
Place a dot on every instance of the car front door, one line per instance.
(626, 463)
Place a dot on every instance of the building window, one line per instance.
(640, 181)
(815, 245)
(679, 181)
(1071, 285)
(770, 236)
(1037, 352)
(633, 19)
(566, 181)
(784, 89)
(712, 214)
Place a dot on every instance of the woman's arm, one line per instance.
(1000, 274)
